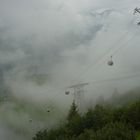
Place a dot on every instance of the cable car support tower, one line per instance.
(79, 90)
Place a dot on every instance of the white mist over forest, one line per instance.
(49, 45)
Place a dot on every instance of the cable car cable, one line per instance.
(102, 56)
(117, 79)
(124, 45)
(109, 50)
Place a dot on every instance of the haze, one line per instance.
(49, 45)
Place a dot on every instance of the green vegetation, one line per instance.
(119, 99)
(98, 123)
(138, 135)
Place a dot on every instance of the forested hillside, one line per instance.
(98, 123)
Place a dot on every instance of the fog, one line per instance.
(47, 46)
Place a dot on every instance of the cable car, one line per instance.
(67, 92)
(30, 120)
(110, 62)
(48, 111)
(138, 23)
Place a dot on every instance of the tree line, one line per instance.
(99, 123)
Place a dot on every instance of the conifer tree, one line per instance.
(73, 112)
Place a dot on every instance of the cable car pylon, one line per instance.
(137, 10)
(79, 90)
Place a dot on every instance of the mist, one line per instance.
(47, 46)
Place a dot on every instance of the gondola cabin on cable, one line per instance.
(67, 92)
(110, 62)
(30, 120)
(48, 110)
(138, 23)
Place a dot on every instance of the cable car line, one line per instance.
(110, 63)
(125, 44)
(117, 79)
(102, 56)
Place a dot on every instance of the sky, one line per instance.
(63, 40)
